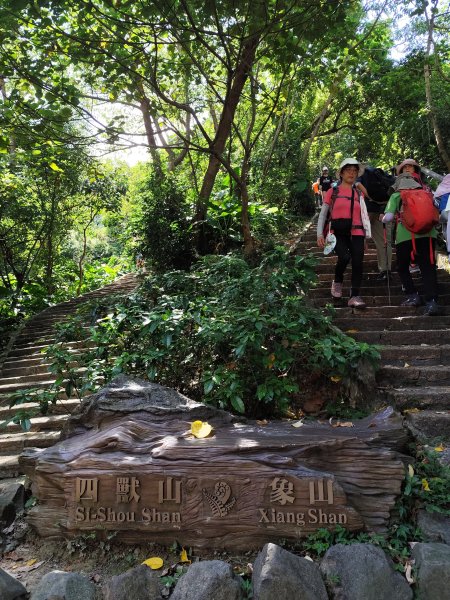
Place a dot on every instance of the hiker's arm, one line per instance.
(359, 186)
(321, 224)
(391, 209)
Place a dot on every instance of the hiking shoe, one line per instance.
(356, 302)
(412, 300)
(336, 289)
(383, 275)
(432, 309)
(413, 268)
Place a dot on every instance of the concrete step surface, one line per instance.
(26, 367)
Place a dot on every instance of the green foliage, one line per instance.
(226, 333)
(426, 486)
(166, 229)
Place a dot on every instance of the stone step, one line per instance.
(39, 423)
(412, 397)
(399, 338)
(415, 355)
(30, 379)
(7, 389)
(375, 288)
(429, 425)
(9, 465)
(444, 300)
(388, 312)
(61, 407)
(371, 278)
(404, 323)
(32, 369)
(25, 366)
(424, 375)
(36, 350)
(27, 439)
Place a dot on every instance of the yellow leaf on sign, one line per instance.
(184, 556)
(425, 486)
(154, 562)
(31, 562)
(200, 429)
(55, 167)
(410, 471)
(439, 448)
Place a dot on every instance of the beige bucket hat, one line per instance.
(408, 161)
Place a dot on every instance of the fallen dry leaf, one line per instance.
(352, 331)
(32, 567)
(410, 470)
(425, 486)
(154, 562)
(439, 448)
(411, 410)
(262, 422)
(406, 365)
(298, 424)
(408, 573)
(184, 556)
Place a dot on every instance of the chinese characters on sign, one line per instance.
(150, 500)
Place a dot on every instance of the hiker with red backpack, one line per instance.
(349, 222)
(412, 206)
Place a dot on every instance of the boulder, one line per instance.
(432, 565)
(208, 580)
(140, 583)
(12, 496)
(357, 571)
(59, 585)
(279, 574)
(10, 588)
(435, 526)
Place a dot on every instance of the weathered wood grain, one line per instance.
(242, 486)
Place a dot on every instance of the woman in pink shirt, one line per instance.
(351, 226)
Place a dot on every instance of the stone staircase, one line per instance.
(25, 367)
(414, 374)
(415, 350)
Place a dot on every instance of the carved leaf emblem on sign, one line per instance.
(218, 501)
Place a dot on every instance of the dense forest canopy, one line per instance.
(236, 106)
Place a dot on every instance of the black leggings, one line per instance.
(427, 268)
(350, 248)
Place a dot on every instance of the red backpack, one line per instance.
(418, 214)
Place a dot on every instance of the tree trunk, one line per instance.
(223, 131)
(430, 105)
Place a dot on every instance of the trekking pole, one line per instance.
(387, 264)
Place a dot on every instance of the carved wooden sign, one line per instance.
(127, 463)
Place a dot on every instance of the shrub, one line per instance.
(226, 333)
